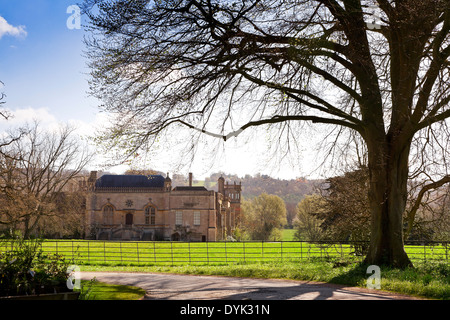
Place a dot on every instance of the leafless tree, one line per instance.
(5, 115)
(222, 67)
(68, 220)
(2, 103)
(34, 172)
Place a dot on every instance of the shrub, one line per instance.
(26, 270)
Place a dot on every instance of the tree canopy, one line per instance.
(221, 67)
(263, 217)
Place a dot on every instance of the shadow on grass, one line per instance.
(356, 276)
(426, 280)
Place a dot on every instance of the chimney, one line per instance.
(221, 188)
(190, 179)
(93, 176)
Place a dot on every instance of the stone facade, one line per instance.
(149, 208)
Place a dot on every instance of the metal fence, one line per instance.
(221, 253)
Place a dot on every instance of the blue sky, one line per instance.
(45, 78)
(45, 67)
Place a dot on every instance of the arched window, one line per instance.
(150, 215)
(108, 214)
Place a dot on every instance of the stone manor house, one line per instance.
(140, 207)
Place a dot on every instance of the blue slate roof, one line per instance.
(130, 181)
(186, 188)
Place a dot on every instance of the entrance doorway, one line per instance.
(129, 219)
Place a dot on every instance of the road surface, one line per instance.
(162, 286)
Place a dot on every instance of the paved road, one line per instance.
(188, 287)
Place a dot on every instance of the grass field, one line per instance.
(94, 290)
(288, 234)
(85, 252)
(430, 276)
(202, 253)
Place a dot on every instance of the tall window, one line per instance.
(108, 214)
(196, 218)
(150, 215)
(178, 218)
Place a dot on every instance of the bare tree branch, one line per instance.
(411, 214)
(192, 62)
(35, 169)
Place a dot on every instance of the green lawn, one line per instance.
(94, 290)
(179, 253)
(213, 253)
(288, 234)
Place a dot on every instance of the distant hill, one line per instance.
(289, 190)
(292, 190)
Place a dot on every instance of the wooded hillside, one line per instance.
(291, 191)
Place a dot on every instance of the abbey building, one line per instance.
(139, 207)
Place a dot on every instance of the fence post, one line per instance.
(321, 249)
(137, 251)
(207, 253)
(189, 250)
(226, 255)
(301, 250)
(243, 244)
(88, 253)
(121, 252)
(281, 250)
(262, 250)
(446, 251)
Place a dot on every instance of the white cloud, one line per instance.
(49, 122)
(22, 116)
(7, 29)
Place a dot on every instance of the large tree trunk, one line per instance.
(388, 170)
